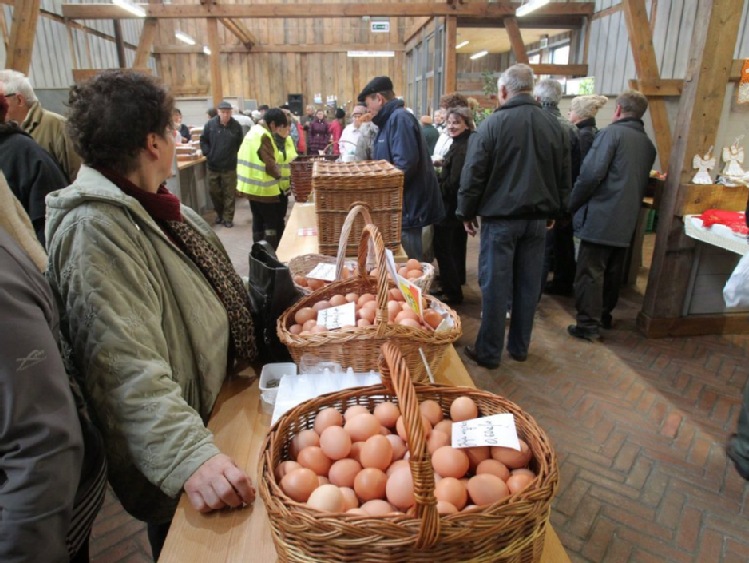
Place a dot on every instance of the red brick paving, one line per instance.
(638, 425)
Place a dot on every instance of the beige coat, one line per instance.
(48, 130)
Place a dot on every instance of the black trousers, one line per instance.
(156, 537)
(598, 280)
(450, 240)
(269, 220)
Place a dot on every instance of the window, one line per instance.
(560, 55)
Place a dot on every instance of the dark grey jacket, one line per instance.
(517, 166)
(220, 144)
(607, 195)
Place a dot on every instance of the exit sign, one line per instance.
(379, 27)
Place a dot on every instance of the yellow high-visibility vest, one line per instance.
(283, 164)
(252, 178)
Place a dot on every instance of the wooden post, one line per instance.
(22, 33)
(121, 60)
(711, 53)
(217, 90)
(145, 43)
(643, 53)
(71, 43)
(450, 65)
(516, 39)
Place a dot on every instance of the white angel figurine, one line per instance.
(703, 164)
(733, 156)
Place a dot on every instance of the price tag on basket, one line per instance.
(336, 317)
(323, 271)
(494, 430)
(411, 293)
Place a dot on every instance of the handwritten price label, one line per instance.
(494, 430)
(323, 271)
(336, 317)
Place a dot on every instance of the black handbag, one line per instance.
(272, 291)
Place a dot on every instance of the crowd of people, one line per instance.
(121, 310)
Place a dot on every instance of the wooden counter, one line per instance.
(239, 426)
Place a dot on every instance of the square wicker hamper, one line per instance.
(339, 185)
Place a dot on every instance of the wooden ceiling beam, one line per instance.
(516, 40)
(325, 10)
(560, 70)
(22, 33)
(150, 27)
(258, 49)
(240, 31)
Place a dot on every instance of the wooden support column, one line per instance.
(150, 26)
(450, 65)
(4, 30)
(217, 90)
(22, 33)
(643, 53)
(710, 60)
(516, 39)
(120, 46)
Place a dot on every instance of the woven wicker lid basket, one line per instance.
(509, 531)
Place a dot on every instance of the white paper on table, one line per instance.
(493, 430)
(323, 271)
(295, 389)
(336, 317)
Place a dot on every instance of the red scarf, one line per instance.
(161, 206)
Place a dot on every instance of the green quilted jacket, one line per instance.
(148, 334)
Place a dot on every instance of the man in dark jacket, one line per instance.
(606, 202)
(401, 142)
(516, 178)
(220, 142)
(560, 248)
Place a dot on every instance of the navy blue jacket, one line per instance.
(401, 142)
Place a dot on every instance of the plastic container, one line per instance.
(270, 378)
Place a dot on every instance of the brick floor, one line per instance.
(638, 425)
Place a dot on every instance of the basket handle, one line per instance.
(357, 208)
(397, 380)
(372, 233)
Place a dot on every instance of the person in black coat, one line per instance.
(450, 237)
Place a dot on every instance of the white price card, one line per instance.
(323, 271)
(494, 430)
(336, 317)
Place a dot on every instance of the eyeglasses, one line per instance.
(10, 95)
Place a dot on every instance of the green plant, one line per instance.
(587, 86)
(489, 83)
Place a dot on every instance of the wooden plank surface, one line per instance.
(22, 33)
(516, 40)
(217, 91)
(696, 198)
(150, 28)
(451, 58)
(239, 426)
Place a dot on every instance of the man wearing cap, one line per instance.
(220, 142)
(401, 142)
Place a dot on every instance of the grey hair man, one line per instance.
(516, 178)
(560, 248)
(606, 202)
(45, 127)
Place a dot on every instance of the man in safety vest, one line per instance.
(264, 174)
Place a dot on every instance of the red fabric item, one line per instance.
(301, 147)
(161, 206)
(734, 220)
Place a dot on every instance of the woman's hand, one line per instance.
(219, 483)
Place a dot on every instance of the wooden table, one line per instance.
(239, 426)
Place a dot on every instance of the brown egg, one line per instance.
(300, 280)
(378, 508)
(432, 410)
(356, 512)
(299, 484)
(401, 429)
(355, 410)
(285, 467)
(376, 452)
(327, 498)
(355, 452)
(393, 309)
(398, 445)
(320, 305)
(387, 413)
(314, 284)
(513, 459)
(352, 297)
(518, 482)
(446, 508)
(327, 417)
(395, 294)
(318, 329)
(406, 314)
(523, 471)
(309, 325)
(451, 490)
(463, 408)
(363, 323)
(337, 300)
(295, 329)
(403, 271)
(493, 467)
(436, 440)
(487, 489)
(350, 500)
(344, 471)
(400, 463)
(335, 442)
(370, 484)
(449, 462)
(477, 455)
(368, 314)
(362, 427)
(432, 318)
(446, 426)
(413, 274)
(399, 489)
(302, 440)
(304, 314)
(413, 264)
(312, 457)
(364, 298)
(410, 323)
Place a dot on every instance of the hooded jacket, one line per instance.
(607, 195)
(148, 334)
(401, 142)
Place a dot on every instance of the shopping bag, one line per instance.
(272, 291)
(736, 291)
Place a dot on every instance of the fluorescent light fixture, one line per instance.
(375, 54)
(529, 6)
(478, 55)
(462, 44)
(131, 7)
(182, 36)
(206, 50)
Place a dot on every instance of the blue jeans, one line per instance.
(411, 242)
(510, 263)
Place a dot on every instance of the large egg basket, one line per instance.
(508, 531)
(301, 174)
(359, 347)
